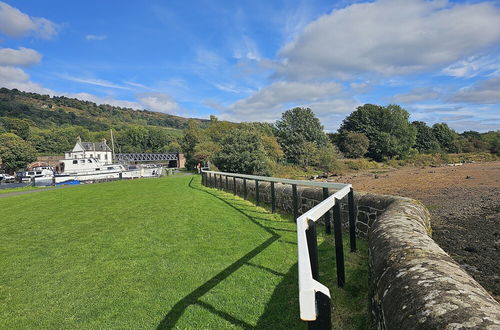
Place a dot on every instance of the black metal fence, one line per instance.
(314, 298)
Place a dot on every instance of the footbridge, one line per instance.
(174, 159)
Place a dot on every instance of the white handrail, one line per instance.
(307, 285)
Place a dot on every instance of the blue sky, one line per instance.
(252, 60)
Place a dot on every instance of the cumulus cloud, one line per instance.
(159, 102)
(417, 95)
(482, 92)
(95, 37)
(15, 23)
(11, 77)
(274, 95)
(390, 37)
(268, 103)
(20, 57)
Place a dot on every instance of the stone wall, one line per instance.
(414, 284)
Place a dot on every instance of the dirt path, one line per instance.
(464, 202)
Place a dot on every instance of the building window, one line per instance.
(99, 156)
(75, 162)
(82, 161)
(106, 156)
(90, 160)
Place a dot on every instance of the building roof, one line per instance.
(95, 146)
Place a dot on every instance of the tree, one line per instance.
(446, 137)
(20, 127)
(242, 151)
(309, 155)
(193, 135)
(296, 127)
(353, 144)
(388, 130)
(15, 152)
(425, 141)
(327, 158)
(272, 148)
(173, 146)
(205, 152)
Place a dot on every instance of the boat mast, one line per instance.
(112, 147)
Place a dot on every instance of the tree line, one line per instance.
(297, 140)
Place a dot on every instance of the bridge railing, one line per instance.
(314, 297)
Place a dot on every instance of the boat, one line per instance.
(93, 161)
(42, 175)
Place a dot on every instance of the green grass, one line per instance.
(9, 190)
(154, 253)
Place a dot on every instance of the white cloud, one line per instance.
(15, 23)
(361, 87)
(247, 49)
(482, 92)
(95, 37)
(417, 95)
(96, 82)
(20, 57)
(473, 66)
(105, 100)
(160, 102)
(11, 77)
(268, 103)
(390, 37)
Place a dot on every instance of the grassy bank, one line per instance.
(150, 253)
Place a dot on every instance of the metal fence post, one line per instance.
(312, 246)
(273, 198)
(339, 248)
(327, 217)
(244, 188)
(294, 203)
(227, 184)
(352, 221)
(220, 182)
(234, 185)
(324, 317)
(257, 196)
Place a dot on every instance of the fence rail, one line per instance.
(314, 297)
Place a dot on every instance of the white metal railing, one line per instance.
(313, 309)
(308, 286)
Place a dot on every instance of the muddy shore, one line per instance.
(464, 202)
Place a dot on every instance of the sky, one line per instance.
(253, 60)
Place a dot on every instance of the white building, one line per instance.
(93, 150)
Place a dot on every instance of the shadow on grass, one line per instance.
(350, 304)
(289, 279)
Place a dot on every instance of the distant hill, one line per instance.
(46, 112)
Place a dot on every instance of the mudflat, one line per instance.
(464, 202)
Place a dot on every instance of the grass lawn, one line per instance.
(9, 190)
(156, 253)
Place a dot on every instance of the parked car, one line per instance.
(4, 177)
